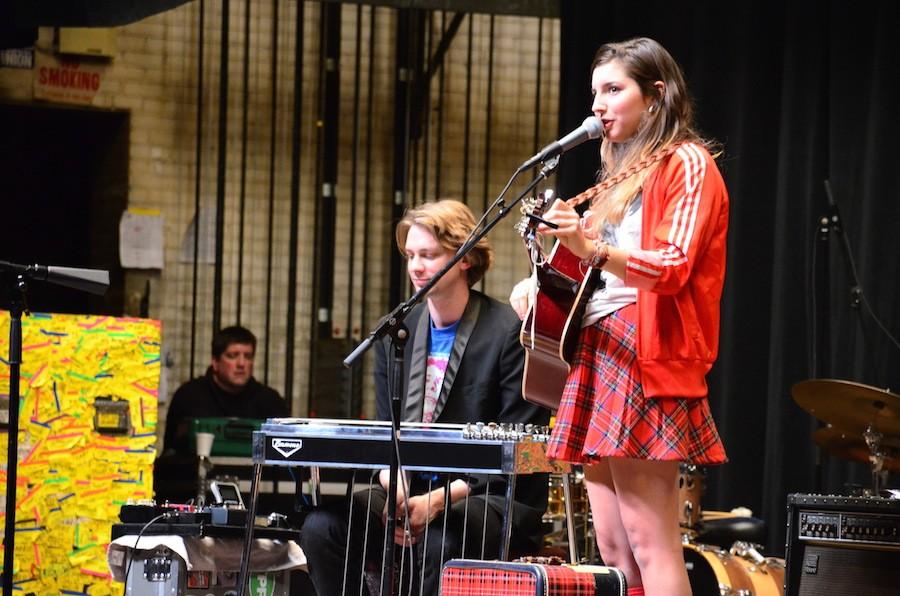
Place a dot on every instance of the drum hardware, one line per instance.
(864, 448)
(750, 552)
(714, 572)
(719, 528)
(556, 498)
(568, 517)
(863, 423)
(723, 529)
(880, 452)
(717, 522)
(740, 571)
(765, 573)
(691, 486)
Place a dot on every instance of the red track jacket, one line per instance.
(679, 273)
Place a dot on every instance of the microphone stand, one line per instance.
(392, 324)
(17, 306)
(837, 226)
(90, 280)
(834, 223)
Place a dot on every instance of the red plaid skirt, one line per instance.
(603, 411)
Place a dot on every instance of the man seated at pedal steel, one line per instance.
(227, 390)
(463, 363)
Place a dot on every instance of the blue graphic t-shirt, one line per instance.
(441, 344)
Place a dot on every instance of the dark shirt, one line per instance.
(203, 398)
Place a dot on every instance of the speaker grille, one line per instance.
(840, 571)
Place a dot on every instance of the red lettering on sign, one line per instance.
(69, 78)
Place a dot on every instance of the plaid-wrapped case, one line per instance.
(468, 577)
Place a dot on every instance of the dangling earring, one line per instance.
(651, 108)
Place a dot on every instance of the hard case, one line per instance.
(468, 577)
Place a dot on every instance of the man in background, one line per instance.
(227, 390)
(463, 363)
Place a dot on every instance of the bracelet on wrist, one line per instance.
(599, 257)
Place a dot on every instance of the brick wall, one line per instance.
(154, 76)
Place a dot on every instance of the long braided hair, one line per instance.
(671, 123)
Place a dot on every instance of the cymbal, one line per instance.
(849, 406)
(853, 447)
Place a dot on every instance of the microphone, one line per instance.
(834, 214)
(589, 129)
(95, 281)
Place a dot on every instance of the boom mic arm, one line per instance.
(94, 281)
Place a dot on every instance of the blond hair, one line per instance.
(450, 222)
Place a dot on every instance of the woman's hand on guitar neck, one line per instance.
(570, 232)
(521, 296)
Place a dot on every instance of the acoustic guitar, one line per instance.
(550, 328)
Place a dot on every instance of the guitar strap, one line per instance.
(642, 165)
(536, 253)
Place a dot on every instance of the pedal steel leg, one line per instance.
(507, 518)
(244, 575)
(315, 486)
(570, 521)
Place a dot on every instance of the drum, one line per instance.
(767, 579)
(715, 572)
(690, 491)
(723, 529)
(765, 573)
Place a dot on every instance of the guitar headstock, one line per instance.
(533, 206)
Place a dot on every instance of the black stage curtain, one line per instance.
(797, 93)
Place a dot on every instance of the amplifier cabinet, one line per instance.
(842, 546)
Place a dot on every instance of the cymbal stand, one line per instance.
(876, 458)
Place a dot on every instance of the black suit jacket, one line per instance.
(483, 383)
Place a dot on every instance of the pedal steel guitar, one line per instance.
(475, 448)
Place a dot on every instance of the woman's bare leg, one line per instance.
(647, 495)
(612, 540)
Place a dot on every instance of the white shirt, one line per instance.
(616, 294)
